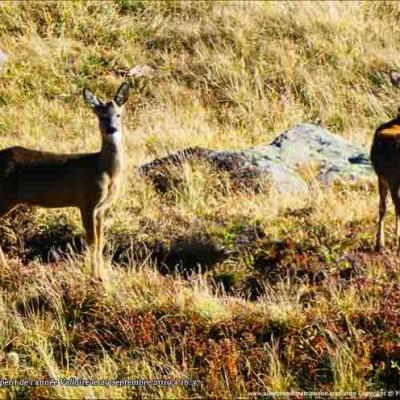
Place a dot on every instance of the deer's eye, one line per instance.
(118, 115)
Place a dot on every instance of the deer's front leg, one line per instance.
(89, 224)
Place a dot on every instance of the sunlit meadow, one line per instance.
(235, 291)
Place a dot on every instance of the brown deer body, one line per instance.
(86, 181)
(385, 158)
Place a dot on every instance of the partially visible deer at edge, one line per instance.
(86, 181)
(385, 157)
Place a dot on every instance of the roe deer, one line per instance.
(86, 181)
(385, 157)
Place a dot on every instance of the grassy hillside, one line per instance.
(238, 292)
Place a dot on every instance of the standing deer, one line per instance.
(385, 157)
(86, 181)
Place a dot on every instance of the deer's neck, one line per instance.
(112, 156)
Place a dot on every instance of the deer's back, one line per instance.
(46, 179)
(385, 151)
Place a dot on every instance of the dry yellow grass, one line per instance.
(293, 298)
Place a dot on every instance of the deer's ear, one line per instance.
(122, 94)
(395, 78)
(90, 99)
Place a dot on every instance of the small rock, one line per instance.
(3, 58)
(141, 70)
(13, 359)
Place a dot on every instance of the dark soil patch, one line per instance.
(52, 244)
(243, 173)
(158, 171)
(184, 255)
(20, 237)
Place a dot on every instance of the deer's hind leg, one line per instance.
(380, 235)
(395, 193)
(5, 207)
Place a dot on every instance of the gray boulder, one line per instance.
(335, 158)
(284, 179)
(306, 144)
